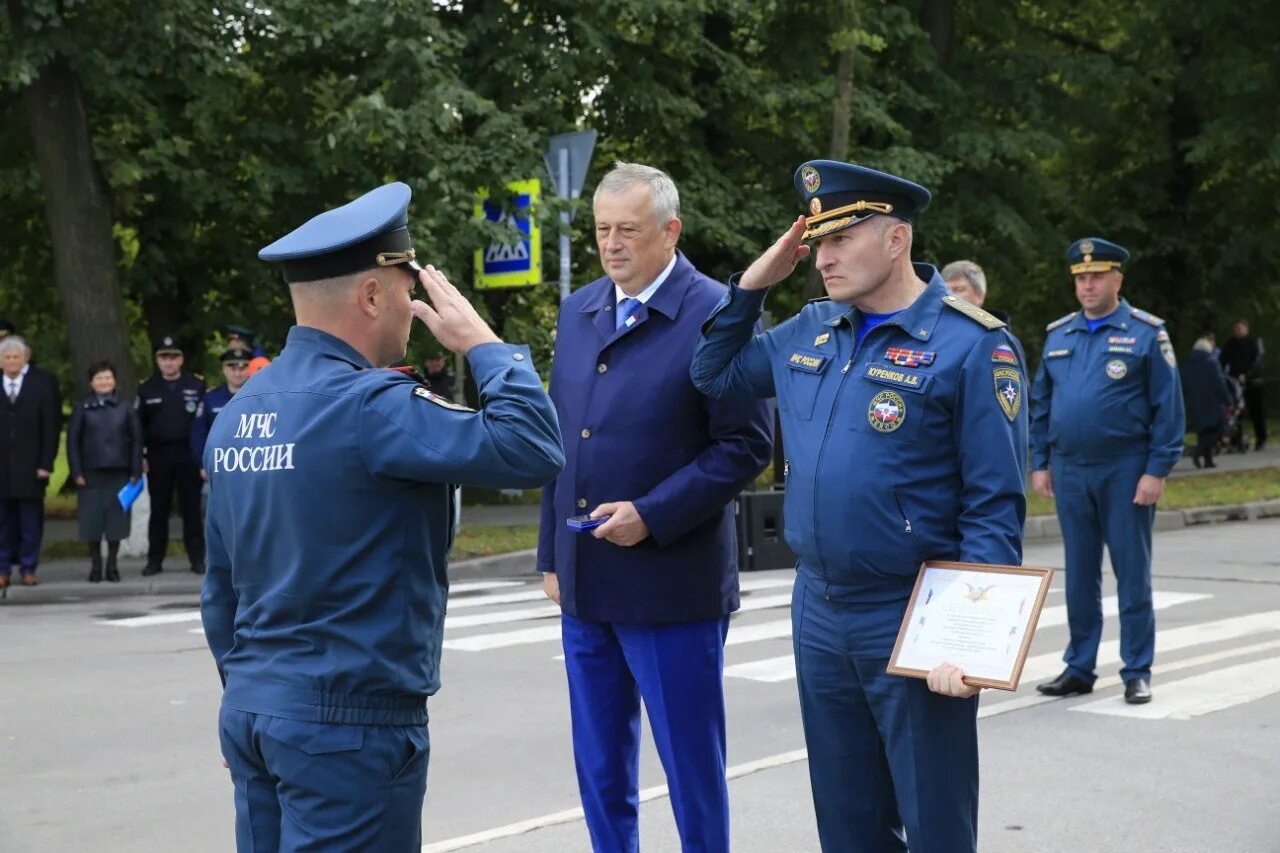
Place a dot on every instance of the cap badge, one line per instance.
(810, 178)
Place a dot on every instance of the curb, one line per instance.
(1043, 527)
(181, 582)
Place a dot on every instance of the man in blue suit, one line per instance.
(646, 595)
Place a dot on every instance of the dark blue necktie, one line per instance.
(626, 307)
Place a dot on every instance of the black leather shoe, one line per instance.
(1065, 685)
(1137, 691)
(95, 573)
(152, 569)
(113, 573)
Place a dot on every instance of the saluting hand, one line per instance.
(450, 317)
(948, 680)
(778, 261)
(625, 527)
(1150, 488)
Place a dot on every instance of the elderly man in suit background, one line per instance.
(30, 421)
(647, 594)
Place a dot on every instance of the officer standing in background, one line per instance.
(966, 280)
(903, 421)
(167, 404)
(1107, 427)
(329, 525)
(244, 338)
(235, 372)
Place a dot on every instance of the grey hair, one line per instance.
(662, 190)
(1203, 345)
(12, 342)
(967, 270)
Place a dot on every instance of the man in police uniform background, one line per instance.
(329, 524)
(1107, 426)
(903, 421)
(235, 372)
(167, 404)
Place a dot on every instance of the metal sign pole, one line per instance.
(563, 190)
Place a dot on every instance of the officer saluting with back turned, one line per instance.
(1107, 427)
(329, 525)
(902, 415)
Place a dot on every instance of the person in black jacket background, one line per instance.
(167, 405)
(30, 421)
(104, 451)
(1204, 388)
(1242, 358)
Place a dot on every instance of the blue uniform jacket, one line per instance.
(214, 401)
(1111, 393)
(329, 524)
(635, 429)
(889, 464)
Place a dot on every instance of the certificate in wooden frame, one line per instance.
(975, 628)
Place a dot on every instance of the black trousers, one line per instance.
(167, 468)
(1207, 442)
(1257, 409)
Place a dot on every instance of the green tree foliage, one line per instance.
(218, 129)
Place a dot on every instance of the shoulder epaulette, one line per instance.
(973, 312)
(820, 299)
(1146, 317)
(1061, 321)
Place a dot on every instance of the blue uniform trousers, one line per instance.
(678, 669)
(21, 529)
(303, 786)
(1095, 506)
(891, 763)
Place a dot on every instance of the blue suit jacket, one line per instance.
(635, 429)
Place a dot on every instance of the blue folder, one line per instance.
(130, 492)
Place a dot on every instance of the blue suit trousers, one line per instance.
(891, 763)
(1095, 506)
(321, 787)
(678, 670)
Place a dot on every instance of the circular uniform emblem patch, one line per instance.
(815, 206)
(1117, 369)
(809, 177)
(1086, 246)
(191, 406)
(887, 411)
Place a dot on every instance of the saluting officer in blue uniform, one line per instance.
(329, 524)
(903, 420)
(235, 372)
(167, 403)
(1107, 427)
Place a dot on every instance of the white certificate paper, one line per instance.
(979, 618)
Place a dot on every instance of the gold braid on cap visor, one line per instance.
(390, 259)
(1095, 266)
(830, 223)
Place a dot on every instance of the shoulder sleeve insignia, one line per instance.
(974, 313)
(1061, 321)
(443, 402)
(1146, 317)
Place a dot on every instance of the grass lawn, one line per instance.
(1208, 490)
(483, 540)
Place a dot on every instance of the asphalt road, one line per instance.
(108, 742)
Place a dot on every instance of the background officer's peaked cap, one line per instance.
(242, 332)
(1093, 254)
(236, 354)
(167, 345)
(838, 195)
(372, 231)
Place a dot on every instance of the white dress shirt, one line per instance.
(646, 294)
(13, 387)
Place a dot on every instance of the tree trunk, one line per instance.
(841, 116)
(80, 222)
(938, 18)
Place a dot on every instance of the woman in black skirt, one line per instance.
(104, 449)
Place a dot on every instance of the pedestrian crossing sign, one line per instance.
(517, 264)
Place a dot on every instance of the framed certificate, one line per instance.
(980, 618)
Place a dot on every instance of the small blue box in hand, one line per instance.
(583, 523)
(130, 491)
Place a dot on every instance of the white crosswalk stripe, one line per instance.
(1201, 694)
(783, 668)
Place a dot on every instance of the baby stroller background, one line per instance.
(1233, 438)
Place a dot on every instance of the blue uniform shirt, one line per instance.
(330, 519)
(214, 401)
(906, 448)
(1112, 392)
